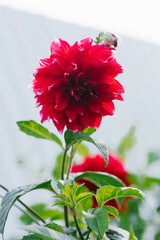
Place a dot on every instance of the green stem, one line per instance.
(62, 178)
(28, 208)
(63, 164)
(89, 231)
(66, 216)
(70, 161)
(77, 226)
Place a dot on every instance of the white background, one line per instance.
(136, 18)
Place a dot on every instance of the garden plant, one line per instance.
(75, 88)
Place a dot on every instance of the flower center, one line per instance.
(80, 87)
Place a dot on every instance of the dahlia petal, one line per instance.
(95, 107)
(44, 62)
(119, 97)
(107, 108)
(62, 103)
(116, 87)
(88, 118)
(75, 126)
(84, 44)
(59, 46)
(97, 122)
(113, 68)
(70, 113)
(60, 92)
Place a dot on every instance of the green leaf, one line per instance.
(43, 211)
(83, 196)
(52, 226)
(153, 157)
(82, 149)
(98, 178)
(84, 204)
(36, 130)
(10, 198)
(98, 221)
(107, 193)
(62, 203)
(56, 173)
(148, 182)
(112, 210)
(48, 234)
(31, 237)
(144, 182)
(55, 227)
(73, 137)
(62, 183)
(115, 233)
(127, 143)
(69, 191)
(131, 235)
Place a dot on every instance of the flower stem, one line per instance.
(89, 231)
(28, 208)
(63, 164)
(62, 178)
(70, 161)
(77, 226)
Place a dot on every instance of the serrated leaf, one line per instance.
(97, 221)
(98, 178)
(86, 204)
(10, 198)
(112, 210)
(69, 191)
(36, 130)
(62, 203)
(48, 234)
(83, 196)
(107, 193)
(127, 142)
(73, 137)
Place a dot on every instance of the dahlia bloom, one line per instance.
(76, 85)
(96, 164)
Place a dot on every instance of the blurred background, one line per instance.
(27, 29)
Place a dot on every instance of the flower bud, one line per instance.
(108, 38)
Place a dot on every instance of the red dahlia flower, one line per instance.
(76, 86)
(96, 164)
